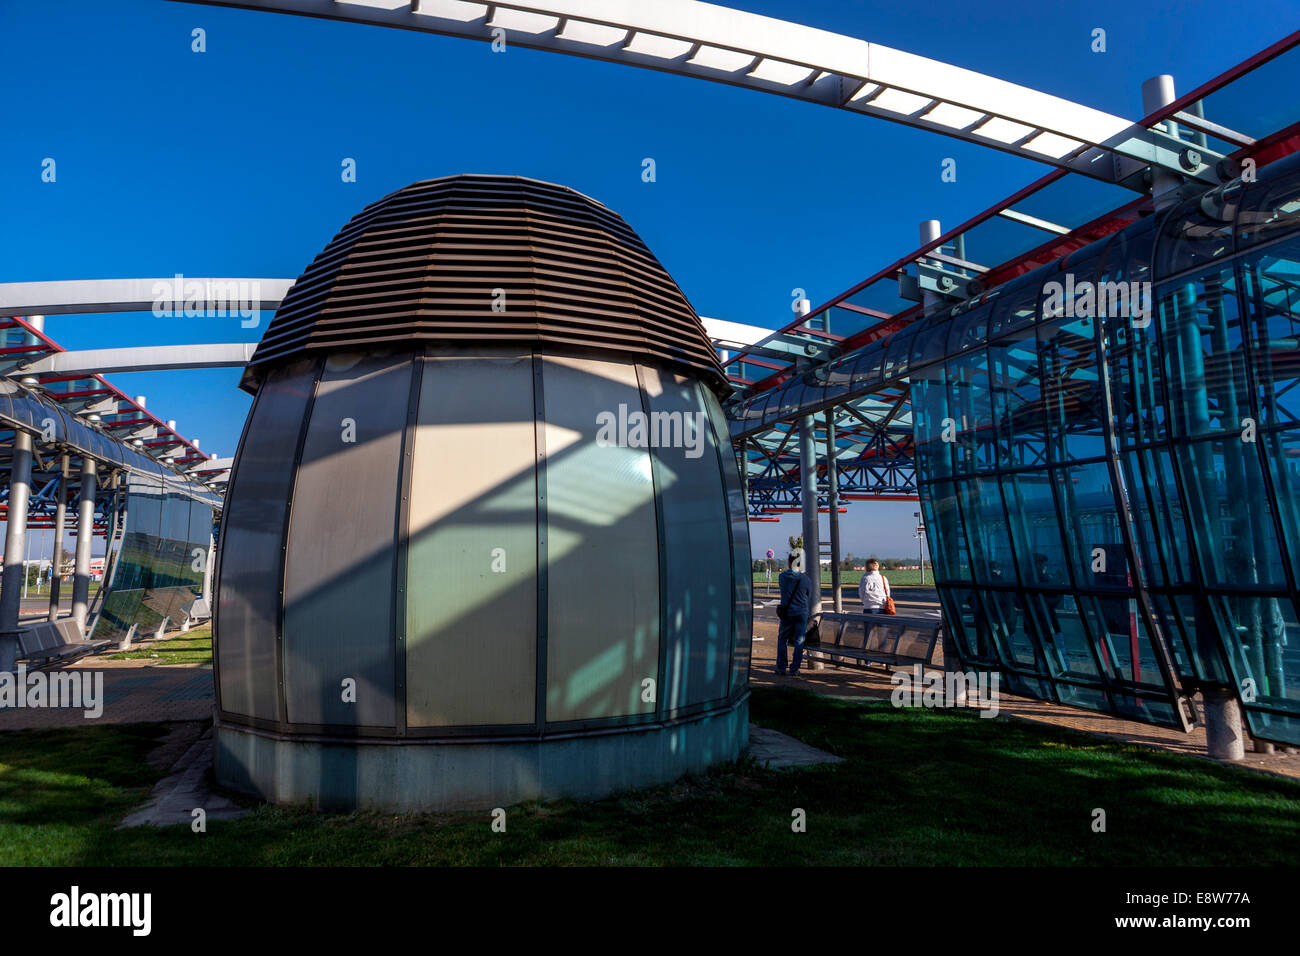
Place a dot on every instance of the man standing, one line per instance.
(796, 601)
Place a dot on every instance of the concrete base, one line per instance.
(175, 798)
(414, 775)
(778, 751)
(1224, 739)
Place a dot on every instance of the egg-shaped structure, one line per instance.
(484, 539)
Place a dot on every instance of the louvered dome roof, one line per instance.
(492, 260)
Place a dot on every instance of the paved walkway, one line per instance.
(852, 684)
(187, 789)
(777, 751)
(134, 691)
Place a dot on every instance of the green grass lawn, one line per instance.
(849, 579)
(193, 647)
(919, 787)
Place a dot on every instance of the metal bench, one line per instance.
(860, 640)
(47, 642)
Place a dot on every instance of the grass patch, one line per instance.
(61, 790)
(192, 647)
(849, 579)
(918, 788)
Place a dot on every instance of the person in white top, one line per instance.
(873, 589)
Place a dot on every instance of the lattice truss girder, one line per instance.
(874, 455)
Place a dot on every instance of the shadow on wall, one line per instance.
(446, 631)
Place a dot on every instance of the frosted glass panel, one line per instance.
(471, 622)
(601, 545)
(339, 568)
(696, 562)
(741, 572)
(248, 589)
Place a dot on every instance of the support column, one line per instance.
(85, 535)
(1223, 737)
(1156, 93)
(808, 495)
(207, 574)
(11, 584)
(833, 499)
(60, 529)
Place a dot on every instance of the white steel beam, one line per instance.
(140, 359)
(705, 40)
(177, 295)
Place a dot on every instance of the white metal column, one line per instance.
(11, 585)
(85, 534)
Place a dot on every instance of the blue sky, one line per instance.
(227, 163)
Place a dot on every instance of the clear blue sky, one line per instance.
(227, 163)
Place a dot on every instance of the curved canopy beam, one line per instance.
(712, 42)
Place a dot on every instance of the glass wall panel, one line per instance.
(1120, 641)
(1017, 401)
(118, 614)
(1201, 330)
(948, 551)
(898, 351)
(1270, 207)
(199, 536)
(696, 565)
(1095, 552)
(1273, 291)
(1071, 388)
(339, 563)
(1015, 305)
(742, 578)
(933, 426)
(1281, 451)
(1231, 520)
(1035, 530)
(971, 408)
(1159, 525)
(869, 366)
(471, 573)
(986, 531)
(125, 605)
(248, 587)
(601, 544)
(1263, 637)
(1057, 620)
(1137, 383)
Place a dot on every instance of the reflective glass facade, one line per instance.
(159, 573)
(1111, 494)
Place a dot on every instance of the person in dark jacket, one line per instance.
(796, 603)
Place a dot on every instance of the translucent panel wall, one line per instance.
(697, 591)
(482, 542)
(252, 538)
(1102, 579)
(471, 567)
(340, 556)
(602, 547)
